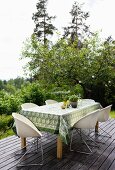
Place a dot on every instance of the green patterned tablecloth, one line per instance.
(51, 118)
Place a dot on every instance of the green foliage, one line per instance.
(17, 82)
(50, 95)
(63, 65)
(55, 92)
(100, 79)
(9, 103)
(112, 114)
(78, 90)
(73, 98)
(65, 98)
(1, 85)
(10, 88)
(36, 52)
(6, 122)
(13, 84)
(7, 133)
(32, 93)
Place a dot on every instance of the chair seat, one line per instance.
(87, 122)
(25, 128)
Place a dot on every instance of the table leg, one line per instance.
(96, 127)
(59, 147)
(23, 142)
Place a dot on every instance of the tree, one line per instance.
(35, 52)
(43, 25)
(63, 64)
(1, 85)
(78, 28)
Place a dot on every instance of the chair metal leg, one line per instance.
(108, 135)
(22, 158)
(87, 147)
(80, 134)
(41, 151)
(89, 138)
(71, 141)
(34, 164)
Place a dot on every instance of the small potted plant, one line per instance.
(65, 102)
(73, 100)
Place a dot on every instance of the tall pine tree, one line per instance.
(78, 28)
(43, 26)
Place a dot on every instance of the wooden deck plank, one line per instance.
(109, 160)
(95, 160)
(112, 167)
(30, 157)
(102, 159)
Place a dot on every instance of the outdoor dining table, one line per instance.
(52, 118)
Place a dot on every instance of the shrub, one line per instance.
(6, 122)
(9, 103)
(78, 90)
(32, 93)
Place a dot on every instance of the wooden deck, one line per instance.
(103, 158)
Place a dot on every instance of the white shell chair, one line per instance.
(25, 128)
(28, 105)
(88, 100)
(103, 117)
(87, 122)
(50, 101)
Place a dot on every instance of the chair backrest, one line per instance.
(50, 101)
(104, 113)
(24, 127)
(28, 105)
(89, 121)
(88, 100)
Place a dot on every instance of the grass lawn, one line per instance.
(112, 114)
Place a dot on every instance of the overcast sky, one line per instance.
(16, 25)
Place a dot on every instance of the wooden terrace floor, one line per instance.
(103, 158)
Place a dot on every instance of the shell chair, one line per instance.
(25, 128)
(87, 122)
(88, 100)
(28, 105)
(103, 117)
(50, 101)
